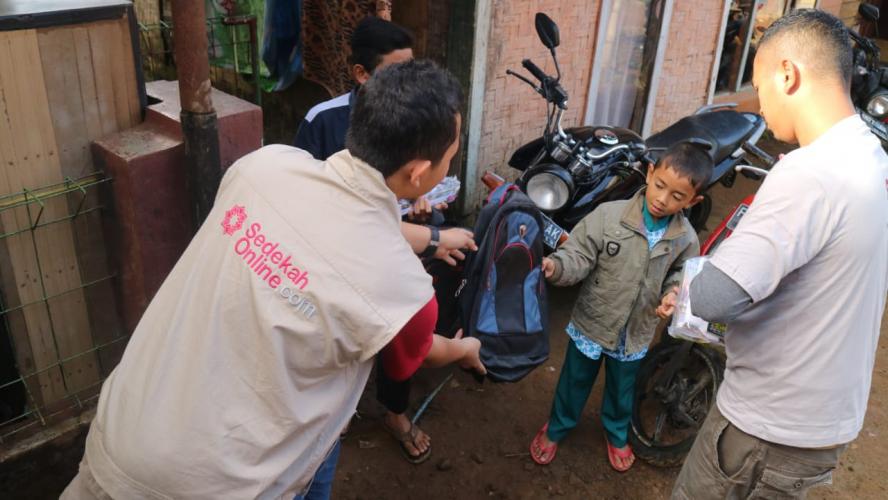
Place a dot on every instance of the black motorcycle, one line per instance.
(869, 83)
(567, 173)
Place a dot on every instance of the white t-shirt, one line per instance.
(812, 253)
(251, 358)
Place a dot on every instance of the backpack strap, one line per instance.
(502, 192)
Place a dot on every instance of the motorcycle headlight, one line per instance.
(548, 191)
(878, 105)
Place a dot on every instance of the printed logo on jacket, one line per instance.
(261, 254)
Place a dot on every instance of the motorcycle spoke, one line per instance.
(658, 426)
(699, 386)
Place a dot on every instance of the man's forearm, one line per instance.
(444, 351)
(417, 235)
(716, 297)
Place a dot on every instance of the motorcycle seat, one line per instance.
(725, 130)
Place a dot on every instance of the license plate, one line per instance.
(735, 219)
(552, 232)
(877, 127)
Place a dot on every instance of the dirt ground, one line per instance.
(481, 434)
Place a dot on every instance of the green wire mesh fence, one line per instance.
(60, 333)
(233, 51)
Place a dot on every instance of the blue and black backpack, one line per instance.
(503, 298)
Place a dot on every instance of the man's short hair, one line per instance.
(405, 111)
(373, 38)
(817, 38)
(690, 161)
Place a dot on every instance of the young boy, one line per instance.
(375, 44)
(629, 255)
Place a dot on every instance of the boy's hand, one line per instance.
(471, 359)
(548, 267)
(451, 242)
(667, 305)
(421, 210)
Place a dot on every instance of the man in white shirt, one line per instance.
(801, 283)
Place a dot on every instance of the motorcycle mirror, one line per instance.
(547, 30)
(867, 11)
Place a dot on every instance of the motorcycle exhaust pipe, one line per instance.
(758, 153)
(749, 168)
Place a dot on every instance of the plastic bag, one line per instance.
(444, 192)
(685, 325)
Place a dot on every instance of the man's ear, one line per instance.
(360, 74)
(789, 75)
(417, 170)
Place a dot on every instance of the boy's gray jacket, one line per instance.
(624, 280)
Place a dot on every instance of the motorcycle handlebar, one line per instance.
(865, 44)
(534, 70)
(523, 79)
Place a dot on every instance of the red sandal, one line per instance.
(613, 454)
(539, 454)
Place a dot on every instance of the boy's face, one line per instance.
(396, 56)
(668, 192)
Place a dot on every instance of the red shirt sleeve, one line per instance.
(405, 353)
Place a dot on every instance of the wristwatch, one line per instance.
(433, 243)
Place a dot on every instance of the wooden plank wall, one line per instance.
(85, 87)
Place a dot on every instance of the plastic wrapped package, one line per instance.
(685, 325)
(444, 192)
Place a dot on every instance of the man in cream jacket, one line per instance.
(251, 358)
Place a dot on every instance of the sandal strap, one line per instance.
(626, 453)
(408, 436)
(413, 432)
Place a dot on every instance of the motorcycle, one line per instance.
(567, 173)
(678, 380)
(869, 83)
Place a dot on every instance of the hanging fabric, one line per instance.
(327, 27)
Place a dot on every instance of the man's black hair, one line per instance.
(689, 160)
(404, 112)
(373, 38)
(820, 39)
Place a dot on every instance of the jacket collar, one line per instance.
(365, 180)
(633, 219)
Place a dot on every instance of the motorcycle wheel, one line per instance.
(665, 423)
